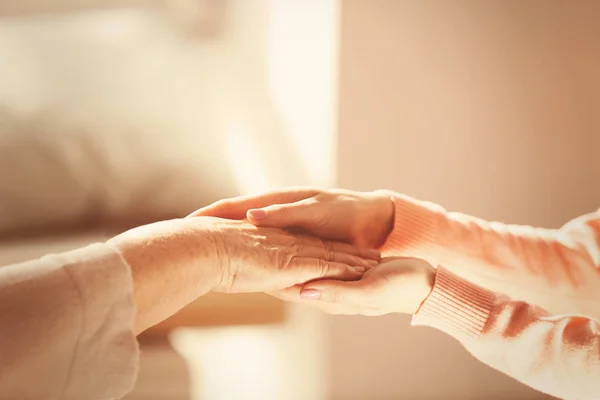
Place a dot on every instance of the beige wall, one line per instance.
(487, 107)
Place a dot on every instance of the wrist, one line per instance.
(221, 271)
(386, 210)
(418, 286)
(172, 263)
(426, 286)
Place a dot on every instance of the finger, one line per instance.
(292, 295)
(289, 294)
(334, 291)
(306, 269)
(236, 208)
(328, 254)
(297, 214)
(369, 254)
(340, 247)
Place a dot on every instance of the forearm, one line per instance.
(496, 253)
(449, 237)
(170, 268)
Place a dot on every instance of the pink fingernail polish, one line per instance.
(257, 214)
(310, 294)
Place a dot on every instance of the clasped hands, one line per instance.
(302, 245)
(323, 245)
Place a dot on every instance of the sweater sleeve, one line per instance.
(559, 356)
(66, 327)
(563, 261)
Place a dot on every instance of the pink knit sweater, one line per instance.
(543, 330)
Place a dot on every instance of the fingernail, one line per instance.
(373, 263)
(310, 294)
(256, 214)
(360, 270)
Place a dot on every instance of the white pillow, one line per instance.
(53, 173)
(118, 115)
(105, 116)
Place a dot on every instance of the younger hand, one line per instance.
(364, 219)
(397, 285)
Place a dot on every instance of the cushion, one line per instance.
(106, 116)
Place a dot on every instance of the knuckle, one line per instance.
(292, 242)
(329, 253)
(336, 296)
(324, 267)
(285, 261)
(356, 260)
(296, 248)
(224, 203)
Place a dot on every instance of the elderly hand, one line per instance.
(174, 262)
(258, 259)
(397, 285)
(361, 218)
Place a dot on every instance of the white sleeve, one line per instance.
(66, 327)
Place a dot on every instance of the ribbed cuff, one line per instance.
(455, 307)
(416, 230)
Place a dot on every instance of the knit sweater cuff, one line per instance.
(455, 307)
(416, 229)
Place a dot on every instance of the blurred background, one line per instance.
(115, 113)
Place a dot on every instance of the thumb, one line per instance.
(236, 208)
(334, 291)
(299, 214)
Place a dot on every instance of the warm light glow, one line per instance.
(286, 362)
(234, 363)
(248, 168)
(115, 27)
(303, 40)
